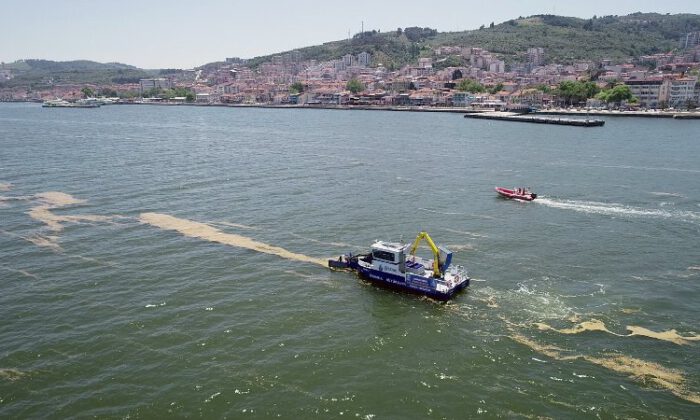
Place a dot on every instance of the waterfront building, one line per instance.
(158, 83)
(647, 91)
(679, 93)
(460, 98)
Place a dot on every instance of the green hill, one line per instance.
(43, 73)
(565, 39)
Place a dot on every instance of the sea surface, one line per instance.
(160, 262)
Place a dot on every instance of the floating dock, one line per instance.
(510, 116)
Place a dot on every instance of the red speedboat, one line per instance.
(517, 193)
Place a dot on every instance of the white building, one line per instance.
(690, 40)
(497, 66)
(679, 92)
(647, 91)
(535, 56)
(348, 60)
(364, 59)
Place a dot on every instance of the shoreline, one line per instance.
(460, 110)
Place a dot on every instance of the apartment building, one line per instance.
(647, 91)
(679, 92)
(535, 57)
(158, 83)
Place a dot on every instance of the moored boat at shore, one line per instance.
(62, 103)
(396, 265)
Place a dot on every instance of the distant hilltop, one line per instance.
(566, 40)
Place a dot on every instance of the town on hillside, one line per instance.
(659, 81)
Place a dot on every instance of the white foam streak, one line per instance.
(615, 209)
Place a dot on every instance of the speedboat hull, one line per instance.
(514, 194)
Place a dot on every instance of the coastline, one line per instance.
(460, 110)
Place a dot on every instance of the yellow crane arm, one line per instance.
(433, 247)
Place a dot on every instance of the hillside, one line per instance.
(41, 73)
(566, 39)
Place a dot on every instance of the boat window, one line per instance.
(383, 255)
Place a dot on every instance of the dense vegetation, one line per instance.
(565, 39)
(43, 73)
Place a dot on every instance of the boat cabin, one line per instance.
(390, 252)
(400, 255)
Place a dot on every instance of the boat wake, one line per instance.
(615, 209)
(636, 168)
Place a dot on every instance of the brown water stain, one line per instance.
(236, 225)
(592, 325)
(629, 311)
(203, 231)
(49, 201)
(22, 272)
(43, 212)
(642, 371)
(11, 374)
(671, 336)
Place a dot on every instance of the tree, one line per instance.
(152, 93)
(616, 95)
(450, 61)
(110, 93)
(87, 92)
(494, 90)
(297, 87)
(491, 25)
(469, 85)
(354, 86)
(543, 88)
(574, 92)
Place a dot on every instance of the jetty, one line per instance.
(512, 116)
(687, 116)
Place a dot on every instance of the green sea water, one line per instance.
(159, 262)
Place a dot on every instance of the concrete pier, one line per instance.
(510, 116)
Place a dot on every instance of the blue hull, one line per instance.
(412, 284)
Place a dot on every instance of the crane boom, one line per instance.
(433, 247)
